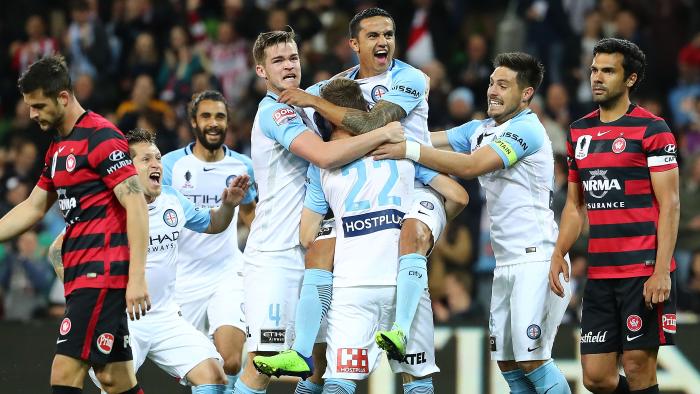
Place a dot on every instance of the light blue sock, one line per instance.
(314, 301)
(338, 386)
(518, 383)
(547, 378)
(422, 386)
(231, 382)
(308, 387)
(241, 388)
(209, 389)
(410, 285)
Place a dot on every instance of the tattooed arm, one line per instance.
(54, 255)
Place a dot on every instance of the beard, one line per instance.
(202, 139)
(609, 100)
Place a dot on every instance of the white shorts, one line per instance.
(271, 296)
(170, 342)
(223, 307)
(525, 313)
(355, 315)
(428, 207)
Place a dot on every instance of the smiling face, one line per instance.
(210, 124)
(608, 83)
(505, 97)
(46, 111)
(281, 68)
(375, 44)
(146, 157)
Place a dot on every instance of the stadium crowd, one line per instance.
(138, 62)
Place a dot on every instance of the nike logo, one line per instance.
(60, 341)
(61, 149)
(629, 339)
(421, 212)
(603, 133)
(533, 349)
(208, 169)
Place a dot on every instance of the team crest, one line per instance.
(65, 326)
(534, 331)
(105, 343)
(229, 179)
(582, 145)
(378, 92)
(70, 163)
(619, 145)
(170, 218)
(634, 323)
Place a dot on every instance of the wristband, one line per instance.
(413, 150)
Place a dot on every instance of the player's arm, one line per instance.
(26, 214)
(130, 196)
(315, 207)
(572, 219)
(456, 198)
(246, 213)
(440, 141)
(309, 226)
(220, 217)
(55, 257)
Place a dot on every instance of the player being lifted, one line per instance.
(284, 141)
(395, 91)
(512, 156)
(164, 336)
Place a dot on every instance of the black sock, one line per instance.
(649, 390)
(134, 390)
(622, 386)
(66, 390)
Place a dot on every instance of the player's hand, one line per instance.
(556, 267)
(393, 132)
(298, 97)
(390, 151)
(657, 289)
(234, 193)
(137, 299)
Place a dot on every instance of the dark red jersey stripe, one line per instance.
(621, 244)
(637, 186)
(614, 216)
(620, 271)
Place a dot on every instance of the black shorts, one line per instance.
(94, 327)
(615, 317)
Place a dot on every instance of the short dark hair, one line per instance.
(364, 14)
(634, 60)
(268, 39)
(50, 74)
(212, 95)
(530, 70)
(344, 92)
(138, 135)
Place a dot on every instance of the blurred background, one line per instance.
(138, 62)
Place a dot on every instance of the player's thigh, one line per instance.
(500, 335)
(600, 330)
(354, 317)
(116, 377)
(428, 210)
(68, 371)
(420, 349)
(227, 305)
(229, 342)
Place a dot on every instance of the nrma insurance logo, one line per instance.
(371, 222)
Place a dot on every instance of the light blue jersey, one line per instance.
(369, 199)
(518, 197)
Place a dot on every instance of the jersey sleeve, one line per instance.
(659, 146)
(571, 161)
(282, 123)
(45, 181)
(520, 140)
(252, 192)
(424, 174)
(459, 137)
(314, 199)
(407, 89)
(315, 89)
(196, 219)
(108, 153)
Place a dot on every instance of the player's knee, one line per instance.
(207, 372)
(107, 380)
(232, 364)
(639, 371)
(599, 382)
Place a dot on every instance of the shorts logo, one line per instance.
(634, 323)
(619, 145)
(378, 92)
(414, 359)
(352, 360)
(272, 335)
(66, 325)
(427, 205)
(283, 115)
(534, 331)
(492, 343)
(594, 338)
(70, 163)
(117, 155)
(170, 217)
(668, 322)
(105, 343)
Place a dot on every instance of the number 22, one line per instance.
(384, 198)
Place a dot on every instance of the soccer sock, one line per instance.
(622, 386)
(231, 382)
(547, 378)
(241, 388)
(410, 285)
(134, 390)
(308, 387)
(314, 301)
(339, 386)
(209, 389)
(649, 390)
(422, 386)
(518, 383)
(66, 390)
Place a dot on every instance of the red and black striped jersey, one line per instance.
(83, 168)
(613, 162)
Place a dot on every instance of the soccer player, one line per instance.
(209, 286)
(88, 169)
(396, 92)
(623, 173)
(284, 141)
(512, 156)
(370, 199)
(164, 336)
